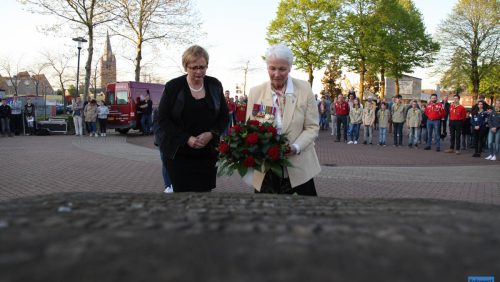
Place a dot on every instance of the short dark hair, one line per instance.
(482, 96)
(456, 95)
(434, 94)
(398, 96)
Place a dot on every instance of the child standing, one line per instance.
(355, 115)
(413, 121)
(383, 123)
(368, 120)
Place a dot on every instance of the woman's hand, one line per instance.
(200, 141)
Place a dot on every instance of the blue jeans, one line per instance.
(354, 132)
(382, 134)
(423, 135)
(146, 123)
(368, 134)
(5, 126)
(434, 126)
(166, 178)
(494, 143)
(398, 133)
(92, 128)
(413, 139)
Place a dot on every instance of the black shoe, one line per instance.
(476, 155)
(364, 143)
(437, 150)
(427, 148)
(409, 146)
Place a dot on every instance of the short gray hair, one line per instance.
(280, 51)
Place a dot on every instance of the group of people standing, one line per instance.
(427, 121)
(16, 118)
(92, 112)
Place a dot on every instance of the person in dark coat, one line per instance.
(193, 114)
(30, 117)
(5, 114)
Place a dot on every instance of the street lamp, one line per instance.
(80, 40)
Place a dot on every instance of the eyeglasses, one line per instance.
(195, 68)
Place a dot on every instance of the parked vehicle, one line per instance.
(121, 98)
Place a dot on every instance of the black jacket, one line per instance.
(5, 111)
(171, 108)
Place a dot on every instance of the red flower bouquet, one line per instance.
(252, 145)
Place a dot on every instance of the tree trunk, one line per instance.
(361, 80)
(382, 83)
(311, 76)
(88, 65)
(138, 58)
(396, 86)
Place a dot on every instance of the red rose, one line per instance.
(274, 153)
(244, 151)
(223, 147)
(253, 122)
(262, 128)
(235, 129)
(272, 130)
(252, 138)
(249, 161)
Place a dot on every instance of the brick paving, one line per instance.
(38, 165)
(413, 216)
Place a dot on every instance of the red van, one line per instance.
(122, 97)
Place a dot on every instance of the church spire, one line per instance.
(108, 53)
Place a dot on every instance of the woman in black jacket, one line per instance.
(193, 114)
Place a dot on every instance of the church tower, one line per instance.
(108, 65)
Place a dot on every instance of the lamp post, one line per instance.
(80, 40)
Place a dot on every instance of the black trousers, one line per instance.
(342, 121)
(455, 134)
(273, 184)
(102, 124)
(479, 138)
(16, 124)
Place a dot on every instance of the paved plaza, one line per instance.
(92, 209)
(39, 165)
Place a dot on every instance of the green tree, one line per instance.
(356, 32)
(332, 77)
(490, 84)
(473, 28)
(455, 77)
(406, 44)
(309, 28)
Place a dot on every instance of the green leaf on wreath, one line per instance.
(242, 170)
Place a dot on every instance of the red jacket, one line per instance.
(342, 109)
(457, 112)
(435, 111)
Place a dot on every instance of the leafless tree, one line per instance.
(59, 64)
(150, 21)
(83, 15)
(246, 68)
(12, 73)
(36, 74)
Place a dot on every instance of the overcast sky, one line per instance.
(234, 30)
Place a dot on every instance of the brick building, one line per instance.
(33, 85)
